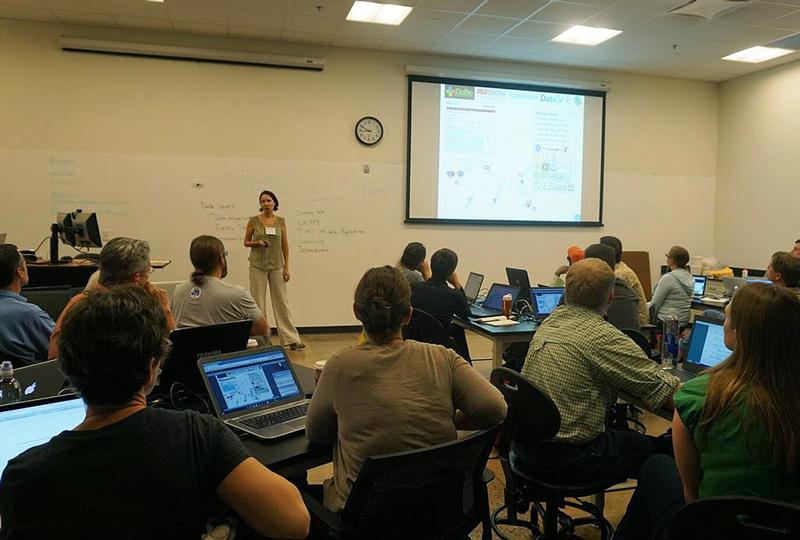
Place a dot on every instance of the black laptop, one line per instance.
(42, 380)
(473, 287)
(52, 300)
(191, 344)
(519, 278)
(706, 348)
(493, 303)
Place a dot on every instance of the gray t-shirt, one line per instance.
(412, 276)
(214, 302)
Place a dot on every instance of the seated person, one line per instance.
(24, 327)
(784, 270)
(796, 249)
(626, 274)
(436, 297)
(419, 394)
(413, 264)
(574, 254)
(675, 289)
(122, 260)
(624, 309)
(734, 429)
(128, 470)
(582, 363)
(206, 299)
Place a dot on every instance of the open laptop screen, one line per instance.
(544, 301)
(699, 285)
(250, 379)
(707, 346)
(473, 286)
(35, 422)
(494, 300)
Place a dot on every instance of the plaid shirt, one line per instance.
(581, 362)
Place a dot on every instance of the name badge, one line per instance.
(271, 230)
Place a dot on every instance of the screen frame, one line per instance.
(511, 86)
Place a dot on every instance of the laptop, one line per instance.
(473, 287)
(699, 285)
(256, 391)
(519, 278)
(42, 380)
(52, 300)
(26, 424)
(732, 283)
(191, 344)
(493, 303)
(706, 348)
(545, 300)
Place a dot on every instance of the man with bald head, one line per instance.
(582, 362)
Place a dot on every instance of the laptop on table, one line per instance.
(473, 287)
(706, 348)
(256, 391)
(493, 303)
(545, 300)
(699, 285)
(42, 380)
(26, 424)
(191, 344)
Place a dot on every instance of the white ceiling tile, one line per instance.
(27, 13)
(464, 41)
(307, 37)
(656, 7)
(405, 46)
(358, 42)
(538, 30)
(445, 20)
(312, 23)
(511, 8)
(328, 8)
(259, 5)
(756, 13)
(566, 13)
(598, 3)
(487, 24)
(85, 17)
(141, 23)
(198, 14)
(147, 10)
(791, 21)
(668, 25)
(638, 40)
(423, 34)
(24, 3)
(256, 19)
(190, 27)
(510, 44)
(617, 19)
(91, 6)
(465, 6)
(258, 33)
(366, 30)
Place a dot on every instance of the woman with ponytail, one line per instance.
(388, 395)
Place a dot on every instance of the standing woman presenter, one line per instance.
(269, 264)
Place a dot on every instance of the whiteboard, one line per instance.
(337, 216)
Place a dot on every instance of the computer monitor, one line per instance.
(51, 299)
(77, 229)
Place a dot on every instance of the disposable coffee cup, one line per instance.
(319, 365)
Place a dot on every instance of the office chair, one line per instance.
(533, 417)
(430, 493)
(736, 518)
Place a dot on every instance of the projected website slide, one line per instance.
(509, 154)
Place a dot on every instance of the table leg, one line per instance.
(497, 353)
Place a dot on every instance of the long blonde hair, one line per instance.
(762, 375)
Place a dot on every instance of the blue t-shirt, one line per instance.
(25, 329)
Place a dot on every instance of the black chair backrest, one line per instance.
(191, 344)
(640, 340)
(532, 415)
(51, 299)
(426, 328)
(736, 518)
(438, 490)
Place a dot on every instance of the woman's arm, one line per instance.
(285, 249)
(659, 295)
(248, 237)
(687, 457)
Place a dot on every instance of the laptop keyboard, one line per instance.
(277, 417)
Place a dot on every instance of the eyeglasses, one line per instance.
(225, 253)
(148, 272)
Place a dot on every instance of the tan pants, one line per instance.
(259, 279)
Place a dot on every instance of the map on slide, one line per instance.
(510, 154)
(245, 387)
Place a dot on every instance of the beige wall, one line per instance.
(759, 158)
(661, 134)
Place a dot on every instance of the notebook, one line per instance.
(256, 391)
(473, 287)
(26, 424)
(545, 300)
(706, 348)
(41, 380)
(493, 303)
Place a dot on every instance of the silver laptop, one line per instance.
(256, 391)
(732, 283)
(473, 287)
(42, 380)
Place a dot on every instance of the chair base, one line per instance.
(557, 524)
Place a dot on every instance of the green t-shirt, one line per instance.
(729, 464)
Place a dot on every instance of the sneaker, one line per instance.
(297, 346)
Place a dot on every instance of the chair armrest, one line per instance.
(488, 476)
(324, 523)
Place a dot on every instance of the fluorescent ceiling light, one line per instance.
(586, 35)
(156, 1)
(372, 12)
(757, 54)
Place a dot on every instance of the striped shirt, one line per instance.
(582, 362)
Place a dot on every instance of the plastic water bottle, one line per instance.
(669, 343)
(10, 390)
(744, 274)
